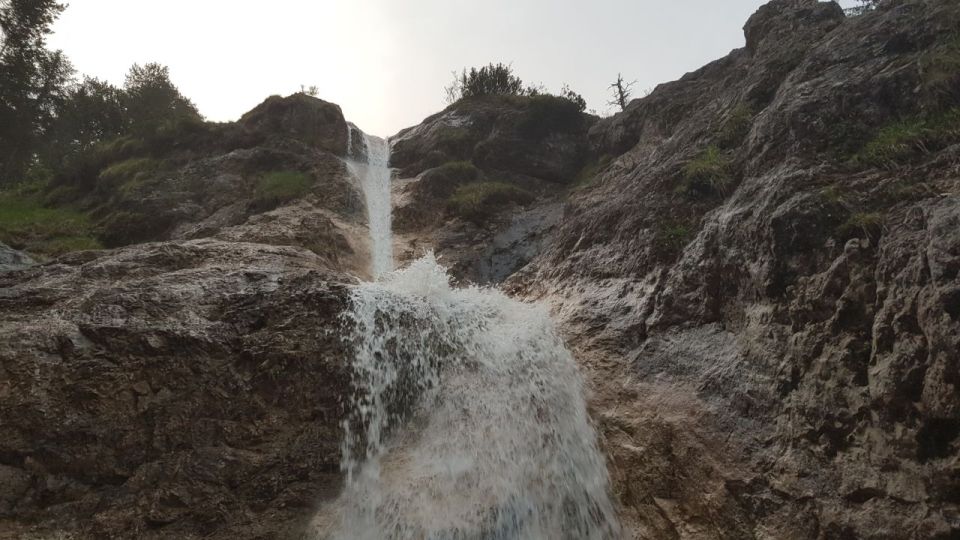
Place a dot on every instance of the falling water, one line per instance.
(372, 167)
(467, 418)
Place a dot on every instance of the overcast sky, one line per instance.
(386, 61)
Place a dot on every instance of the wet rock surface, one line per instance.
(183, 389)
(11, 259)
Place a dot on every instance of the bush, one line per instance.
(122, 227)
(282, 186)
(549, 114)
(113, 177)
(82, 170)
(492, 79)
(707, 174)
(478, 201)
(499, 80)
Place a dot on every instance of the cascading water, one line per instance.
(467, 419)
(372, 167)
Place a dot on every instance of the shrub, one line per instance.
(281, 186)
(123, 227)
(478, 201)
(82, 169)
(707, 174)
(118, 174)
(492, 79)
(548, 114)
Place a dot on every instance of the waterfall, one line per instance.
(466, 418)
(372, 168)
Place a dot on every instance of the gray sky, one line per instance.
(386, 61)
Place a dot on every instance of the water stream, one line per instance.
(467, 419)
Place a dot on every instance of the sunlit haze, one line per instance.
(386, 62)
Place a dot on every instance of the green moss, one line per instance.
(478, 201)
(281, 186)
(736, 126)
(26, 224)
(905, 139)
(707, 174)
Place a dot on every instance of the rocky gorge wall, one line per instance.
(757, 268)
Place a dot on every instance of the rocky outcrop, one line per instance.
(540, 137)
(182, 389)
(315, 122)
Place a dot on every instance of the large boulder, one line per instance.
(311, 120)
(170, 390)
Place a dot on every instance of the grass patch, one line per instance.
(455, 141)
(861, 225)
(459, 171)
(707, 174)
(131, 170)
(588, 174)
(906, 139)
(26, 224)
(736, 126)
(281, 186)
(672, 236)
(478, 201)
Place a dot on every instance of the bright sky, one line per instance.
(385, 62)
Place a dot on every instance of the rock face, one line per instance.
(760, 279)
(182, 389)
(769, 317)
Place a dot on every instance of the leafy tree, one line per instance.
(621, 92)
(32, 81)
(151, 99)
(92, 111)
